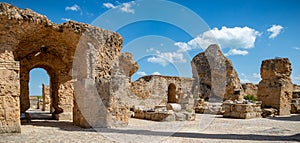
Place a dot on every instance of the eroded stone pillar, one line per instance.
(46, 98)
(275, 88)
(9, 97)
(65, 101)
(24, 95)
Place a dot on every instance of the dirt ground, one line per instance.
(206, 128)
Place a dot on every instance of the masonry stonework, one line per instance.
(29, 40)
(275, 88)
(215, 75)
(46, 98)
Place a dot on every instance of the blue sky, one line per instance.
(164, 35)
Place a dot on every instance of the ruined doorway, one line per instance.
(172, 93)
(38, 79)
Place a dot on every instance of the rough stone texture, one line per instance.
(269, 112)
(204, 107)
(46, 98)
(275, 88)
(214, 75)
(250, 89)
(34, 102)
(154, 90)
(295, 106)
(127, 65)
(296, 87)
(242, 111)
(36, 42)
(296, 93)
(9, 96)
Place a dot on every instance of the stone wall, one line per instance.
(296, 87)
(72, 53)
(154, 90)
(242, 110)
(275, 88)
(215, 75)
(9, 97)
(250, 89)
(46, 98)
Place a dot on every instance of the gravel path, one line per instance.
(206, 128)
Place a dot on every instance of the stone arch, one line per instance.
(172, 93)
(30, 40)
(53, 89)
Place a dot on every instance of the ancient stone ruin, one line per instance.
(242, 110)
(275, 88)
(91, 79)
(29, 40)
(215, 76)
(250, 89)
(46, 98)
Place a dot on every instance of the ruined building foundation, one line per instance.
(275, 88)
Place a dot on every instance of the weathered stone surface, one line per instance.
(250, 89)
(63, 50)
(214, 75)
(242, 111)
(174, 106)
(204, 107)
(9, 97)
(46, 98)
(275, 88)
(296, 93)
(34, 102)
(269, 112)
(155, 90)
(127, 65)
(296, 87)
(295, 106)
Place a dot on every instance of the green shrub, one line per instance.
(250, 97)
(189, 110)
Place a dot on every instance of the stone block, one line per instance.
(180, 117)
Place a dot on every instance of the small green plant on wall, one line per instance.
(250, 97)
(189, 110)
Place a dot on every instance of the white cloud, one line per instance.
(150, 50)
(75, 7)
(236, 52)
(233, 38)
(275, 31)
(296, 48)
(124, 7)
(141, 73)
(65, 19)
(156, 73)
(256, 75)
(168, 57)
(109, 5)
(253, 78)
(183, 47)
(158, 60)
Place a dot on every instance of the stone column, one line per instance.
(46, 98)
(275, 88)
(65, 102)
(9, 97)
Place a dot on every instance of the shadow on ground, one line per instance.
(68, 126)
(287, 118)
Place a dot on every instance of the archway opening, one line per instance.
(39, 94)
(172, 93)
